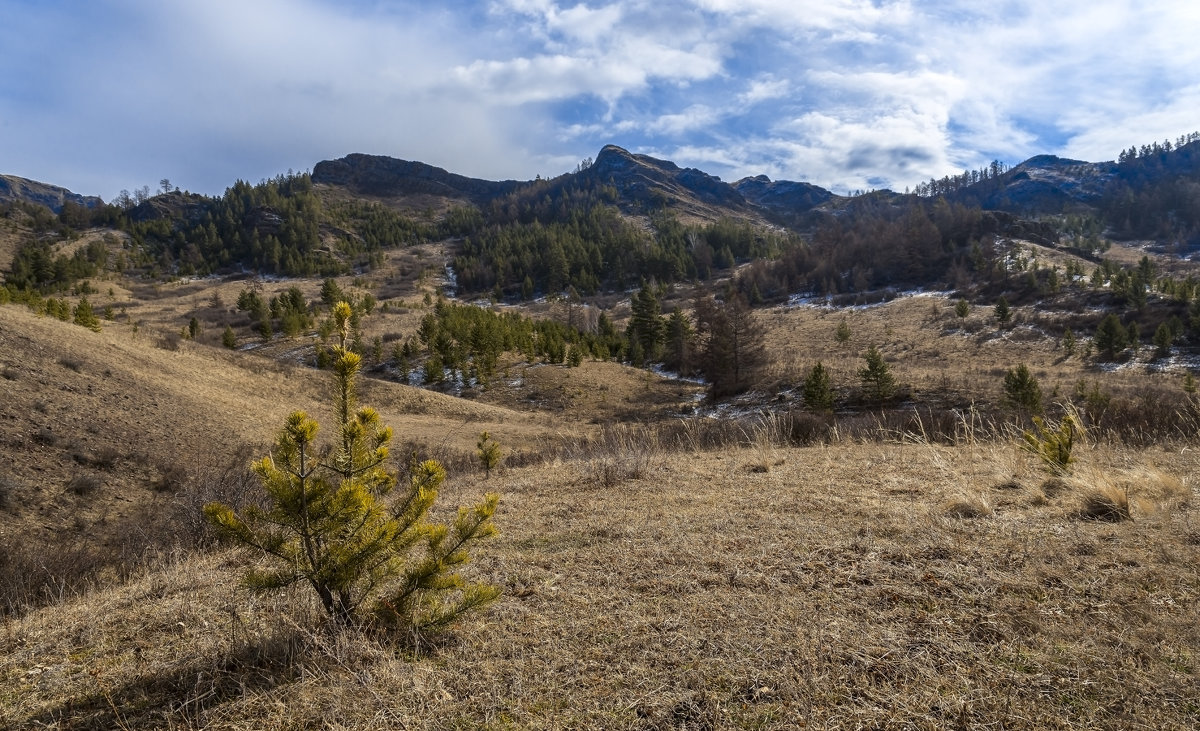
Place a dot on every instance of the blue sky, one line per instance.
(847, 94)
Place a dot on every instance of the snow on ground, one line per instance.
(878, 297)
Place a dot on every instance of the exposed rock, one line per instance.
(175, 206)
(649, 181)
(53, 197)
(781, 195)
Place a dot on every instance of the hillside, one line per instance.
(15, 189)
(97, 426)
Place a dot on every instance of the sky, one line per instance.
(103, 95)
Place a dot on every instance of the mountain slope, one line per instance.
(386, 177)
(53, 197)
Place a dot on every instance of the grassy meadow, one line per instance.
(663, 565)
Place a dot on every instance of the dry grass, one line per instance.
(898, 570)
(831, 591)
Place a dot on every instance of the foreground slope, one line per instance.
(829, 586)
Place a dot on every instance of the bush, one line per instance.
(1054, 445)
(84, 484)
(329, 522)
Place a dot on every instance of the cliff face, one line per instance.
(376, 175)
(53, 197)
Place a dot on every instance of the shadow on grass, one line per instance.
(181, 696)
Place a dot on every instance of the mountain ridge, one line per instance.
(14, 188)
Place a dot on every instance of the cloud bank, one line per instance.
(847, 94)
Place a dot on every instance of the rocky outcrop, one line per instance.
(175, 206)
(53, 197)
(386, 177)
(646, 180)
(781, 196)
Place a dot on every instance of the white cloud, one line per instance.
(844, 93)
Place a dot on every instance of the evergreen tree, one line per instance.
(646, 324)
(1163, 338)
(229, 338)
(878, 382)
(1111, 337)
(488, 452)
(1021, 390)
(734, 352)
(842, 334)
(1068, 342)
(818, 389)
(333, 523)
(679, 353)
(1003, 312)
(84, 315)
(962, 308)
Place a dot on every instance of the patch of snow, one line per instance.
(662, 372)
(826, 302)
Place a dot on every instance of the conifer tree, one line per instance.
(488, 452)
(1163, 338)
(877, 378)
(85, 316)
(680, 343)
(646, 324)
(229, 338)
(842, 334)
(818, 389)
(334, 524)
(1021, 390)
(1111, 336)
(962, 308)
(1003, 312)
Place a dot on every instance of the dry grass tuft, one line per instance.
(968, 507)
(1106, 503)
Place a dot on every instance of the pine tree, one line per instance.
(1003, 312)
(877, 379)
(85, 316)
(842, 334)
(1021, 390)
(229, 338)
(646, 324)
(488, 452)
(1111, 337)
(1163, 338)
(962, 308)
(1068, 342)
(334, 524)
(679, 353)
(818, 389)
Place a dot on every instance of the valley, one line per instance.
(692, 533)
